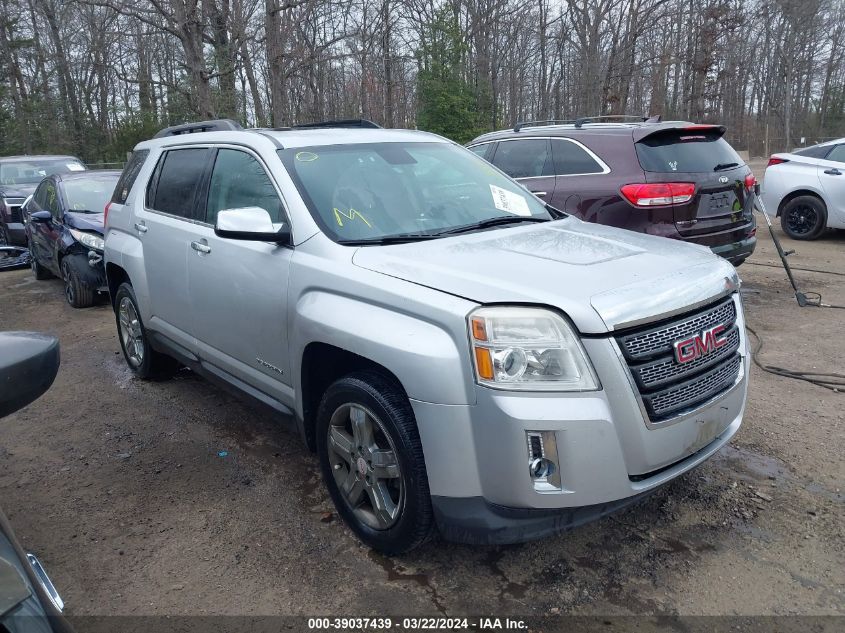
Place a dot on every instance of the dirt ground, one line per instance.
(123, 490)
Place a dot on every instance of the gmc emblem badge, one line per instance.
(702, 344)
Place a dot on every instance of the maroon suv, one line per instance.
(674, 179)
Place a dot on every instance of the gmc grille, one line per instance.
(669, 388)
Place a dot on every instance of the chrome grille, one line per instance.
(659, 340)
(700, 389)
(655, 374)
(669, 388)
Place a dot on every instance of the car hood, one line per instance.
(18, 191)
(86, 221)
(603, 278)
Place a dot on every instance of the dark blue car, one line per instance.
(64, 230)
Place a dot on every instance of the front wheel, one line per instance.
(803, 218)
(77, 292)
(139, 354)
(372, 462)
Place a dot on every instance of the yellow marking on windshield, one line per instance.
(350, 215)
(306, 157)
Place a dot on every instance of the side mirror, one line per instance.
(249, 223)
(29, 363)
(41, 216)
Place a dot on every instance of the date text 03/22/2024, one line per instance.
(412, 624)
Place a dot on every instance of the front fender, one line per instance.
(421, 354)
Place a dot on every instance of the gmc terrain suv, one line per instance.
(460, 355)
(673, 179)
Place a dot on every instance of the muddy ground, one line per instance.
(123, 490)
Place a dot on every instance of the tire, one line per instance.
(358, 478)
(142, 359)
(4, 235)
(78, 293)
(804, 218)
(40, 272)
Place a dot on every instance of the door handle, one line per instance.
(141, 227)
(833, 172)
(539, 194)
(200, 247)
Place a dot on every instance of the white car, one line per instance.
(806, 189)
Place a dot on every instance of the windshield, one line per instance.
(380, 190)
(86, 195)
(686, 151)
(31, 172)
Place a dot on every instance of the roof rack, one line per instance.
(362, 123)
(215, 125)
(580, 121)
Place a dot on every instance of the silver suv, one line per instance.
(460, 355)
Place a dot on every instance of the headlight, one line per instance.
(88, 239)
(531, 349)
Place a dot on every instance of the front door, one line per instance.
(166, 226)
(239, 287)
(832, 178)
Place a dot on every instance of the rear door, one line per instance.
(699, 155)
(166, 225)
(239, 287)
(528, 161)
(832, 178)
(578, 172)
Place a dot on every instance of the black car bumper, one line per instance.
(17, 233)
(736, 252)
(475, 520)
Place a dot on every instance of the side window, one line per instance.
(130, 173)
(51, 198)
(837, 154)
(527, 158)
(177, 178)
(40, 197)
(482, 150)
(571, 158)
(238, 181)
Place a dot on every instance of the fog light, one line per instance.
(542, 468)
(542, 460)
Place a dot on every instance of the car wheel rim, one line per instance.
(365, 466)
(68, 285)
(802, 219)
(130, 332)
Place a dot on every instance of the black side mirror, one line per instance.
(41, 216)
(29, 363)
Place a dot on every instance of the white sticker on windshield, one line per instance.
(75, 167)
(508, 201)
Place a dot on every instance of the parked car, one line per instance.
(64, 230)
(19, 175)
(673, 179)
(806, 189)
(459, 354)
(29, 602)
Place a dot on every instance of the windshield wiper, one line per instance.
(722, 166)
(490, 222)
(401, 238)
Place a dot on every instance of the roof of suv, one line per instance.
(586, 129)
(305, 137)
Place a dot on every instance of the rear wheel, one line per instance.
(372, 462)
(139, 354)
(77, 292)
(38, 270)
(5, 240)
(803, 218)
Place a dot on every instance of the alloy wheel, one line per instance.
(802, 219)
(365, 466)
(131, 334)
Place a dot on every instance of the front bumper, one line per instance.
(608, 454)
(17, 233)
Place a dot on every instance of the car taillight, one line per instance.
(106, 214)
(774, 160)
(750, 181)
(658, 193)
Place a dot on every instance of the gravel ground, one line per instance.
(120, 487)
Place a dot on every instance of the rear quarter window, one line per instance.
(129, 175)
(816, 151)
(686, 151)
